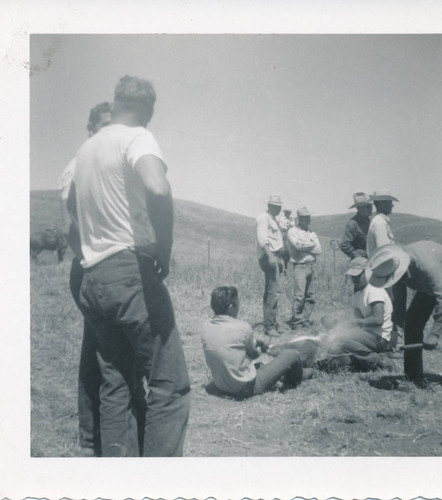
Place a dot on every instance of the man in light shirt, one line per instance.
(230, 348)
(89, 372)
(379, 231)
(357, 344)
(122, 201)
(304, 247)
(270, 250)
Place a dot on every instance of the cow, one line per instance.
(49, 239)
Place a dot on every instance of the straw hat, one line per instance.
(387, 265)
(360, 199)
(275, 199)
(383, 195)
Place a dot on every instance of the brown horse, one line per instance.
(49, 239)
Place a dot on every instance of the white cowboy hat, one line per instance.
(387, 265)
(383, 195)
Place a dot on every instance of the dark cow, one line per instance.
(49, 239)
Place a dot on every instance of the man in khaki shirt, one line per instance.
(269, 249)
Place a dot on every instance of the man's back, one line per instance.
(225, 341)
(111, 202)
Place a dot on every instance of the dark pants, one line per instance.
(416, 318)
(272, 291)
(286, 367)
(304, 291)
(361, 346)
(89, 376)
(140, 356)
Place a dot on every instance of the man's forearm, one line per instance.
(160, 210)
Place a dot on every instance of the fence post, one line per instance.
(334, 244)
(208, 251)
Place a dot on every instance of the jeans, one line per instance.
(272, 291)
(304, 290)
(416, 318)
(362, 346)
(286, 366)
(140, 355)
(89, 376)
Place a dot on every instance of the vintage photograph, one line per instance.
(235, 245)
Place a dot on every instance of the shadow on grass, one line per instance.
(402, 383)
(212, 390)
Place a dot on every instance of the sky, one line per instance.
(313, 118)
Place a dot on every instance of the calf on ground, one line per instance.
(49, 239)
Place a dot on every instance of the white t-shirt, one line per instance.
(362, 301)
(111, 199)
(267, 233)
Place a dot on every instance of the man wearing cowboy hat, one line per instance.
(379, 232)
(269, 249)
(354, 240)
(419, 267)
(304, 247)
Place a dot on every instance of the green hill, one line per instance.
(196, 223)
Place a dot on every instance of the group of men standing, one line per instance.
(281, 240)
(381, 271)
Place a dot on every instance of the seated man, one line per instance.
(360, 341)
(230, 348)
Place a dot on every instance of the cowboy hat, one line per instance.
(387, 265)
(275, 199)
(383, 195)
(360, 199)
(303, 212)
(357, 265)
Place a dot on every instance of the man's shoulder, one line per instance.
(262, 217)
(375, 294)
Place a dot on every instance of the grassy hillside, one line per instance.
(330, 415)
(195, 223)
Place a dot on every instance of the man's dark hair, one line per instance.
(222, 297)
(135, 95)
(96, 112)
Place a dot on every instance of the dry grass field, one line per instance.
(329, 415)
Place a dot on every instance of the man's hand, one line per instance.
(431, 341)
(160, 255)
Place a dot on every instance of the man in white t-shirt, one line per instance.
(122, 201)
(363, 338)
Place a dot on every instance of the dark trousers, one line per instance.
(89, 376)
(286, 366)
(416, 318)
(272, 291)
(140, 356)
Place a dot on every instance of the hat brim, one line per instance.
(361, 204)
(354, 272)
(382, 282)
(384, 197)
(274, 203)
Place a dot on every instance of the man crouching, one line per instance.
(230, 347)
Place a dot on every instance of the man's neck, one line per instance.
(128, 119)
